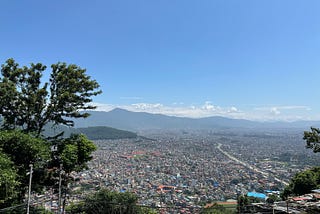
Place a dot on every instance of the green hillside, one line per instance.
(104, 133)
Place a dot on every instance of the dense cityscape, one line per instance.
(187, 170)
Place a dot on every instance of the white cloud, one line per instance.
(233, 110)
(103, 107)
(147, 106)
(283, 108)
(208, 106)
(275, 111)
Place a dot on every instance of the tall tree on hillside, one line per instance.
(29, 104)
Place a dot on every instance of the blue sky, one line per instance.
(257, 60)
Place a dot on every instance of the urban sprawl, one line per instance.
(186, 170)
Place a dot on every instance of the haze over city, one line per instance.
(256, 60)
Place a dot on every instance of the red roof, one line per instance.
(300, 199)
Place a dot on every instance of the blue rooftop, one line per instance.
(256, 195)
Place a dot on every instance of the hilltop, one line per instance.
(103, 133)
(92, 132)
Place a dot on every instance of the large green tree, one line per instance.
(302, 183)
(28, 103)
(23, 150)
(75, 152)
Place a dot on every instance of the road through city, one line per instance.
(265, 174)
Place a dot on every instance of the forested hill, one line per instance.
(104, 132)
(93, 133)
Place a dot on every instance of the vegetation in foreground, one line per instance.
(105, 201)
(27, 106)
(306, 181)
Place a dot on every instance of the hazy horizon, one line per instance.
(110, 108)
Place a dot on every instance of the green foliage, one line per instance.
(21, 209)
(303, 183)
(216, 209)
(39, 210)
(24, 149)
(8, 181)
(75, 152)
(272, 198)
(21, 94)
(312, 139)
(28, 104)
(105, 201)
(103, 132)
(70, 91)
(76, 208)
(244, 203)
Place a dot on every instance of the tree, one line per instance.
(272, 198)
(244, 203)
(72, 153)
(307, 180)
(75, 152)
(312, 139)
(302, 183)
(23, 150)
(105, 201)
(8, 181)
(28, 104)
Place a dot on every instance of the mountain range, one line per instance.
(137, 121)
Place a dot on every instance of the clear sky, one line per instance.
(248, 59)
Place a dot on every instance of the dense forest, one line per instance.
(105, 133)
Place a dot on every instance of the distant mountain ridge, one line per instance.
(134, 121)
